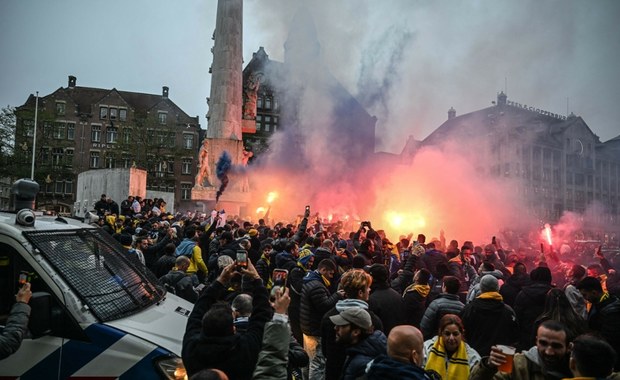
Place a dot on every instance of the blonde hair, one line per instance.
(353, 281)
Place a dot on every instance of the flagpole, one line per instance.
(34, 137)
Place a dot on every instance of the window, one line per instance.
(259, 122)
(186, 191)
(267, 123)
(47, 129)
(122, 114)
(126, 135)
(57, 156)
(69, 187)
(150, 136)
(126, 158)
(94, 159)
(170, 164)
(45, 155)
(259, 102)
(186, 167)
(60, 108)
(59, 131)
(69, 157)
(113, 113)
(60, 187)
(162, 117)
(70, 131)
(28, 128)
(111, 135)
(188, 141)
(161, 138)
(103, 112)
(172, 139)
(95, 135)
(110, 162)
(161, 168)
(275, 103)
(268, 103)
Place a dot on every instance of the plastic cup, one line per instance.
(510, 353)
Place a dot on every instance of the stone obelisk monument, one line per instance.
(224, 118)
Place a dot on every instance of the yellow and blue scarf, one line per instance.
(454, 367)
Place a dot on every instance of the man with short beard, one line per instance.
(353, 331)
(547, 360)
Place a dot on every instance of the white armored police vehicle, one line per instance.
(95, 313)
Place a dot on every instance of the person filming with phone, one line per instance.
(211, 340)
(17, 323)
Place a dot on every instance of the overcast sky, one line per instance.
(419, 58)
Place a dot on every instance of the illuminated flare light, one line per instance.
(260, 210)
(272, 196)
(548, 233)
(408, 221)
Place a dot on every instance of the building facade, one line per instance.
(557, 162)
(83, 128)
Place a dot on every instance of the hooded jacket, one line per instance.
(488, 321)
(385, 368)
(530, 303)
(235, 354)
(527, 365)
(513, 286)
(363, 352)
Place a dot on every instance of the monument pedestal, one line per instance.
(235, 197)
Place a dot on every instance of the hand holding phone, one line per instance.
(242, 260)
(24, 277)
(279, 277)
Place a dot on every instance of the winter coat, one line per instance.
(236, 354)
(513, 286)
(530, 303)
(414, 306)
(285, 260)
(164, 265)
(488, 321)
(386, 303)
(14, 330)
(465, 273)
(320, 254)
(385, 368)
(181, 283)
(363, 352)
(604, 317)
(444, 304)
(315, 302)
(295, 284)
(335, 353)
(273, 357)
(526, 366)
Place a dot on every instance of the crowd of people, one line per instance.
(306, 300)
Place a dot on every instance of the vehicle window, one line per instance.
(93, 265)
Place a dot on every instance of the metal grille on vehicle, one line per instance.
(95, 267)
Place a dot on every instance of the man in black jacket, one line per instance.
(316, 300)
(210, 340)
(488, 320)
(604, 315)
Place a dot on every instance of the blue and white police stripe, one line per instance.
(109, 354)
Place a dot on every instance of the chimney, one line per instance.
(451, 113)
(164, 92)
(501, 99)
(72, 81)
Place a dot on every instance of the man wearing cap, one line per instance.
(352, 327)
(488, 320)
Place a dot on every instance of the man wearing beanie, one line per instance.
(488, 320)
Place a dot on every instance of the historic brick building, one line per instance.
(560, 164)
(84, 128)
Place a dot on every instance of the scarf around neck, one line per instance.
(454, 367)
(491, 296)
(423, 290)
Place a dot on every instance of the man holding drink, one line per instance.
(548, 359)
